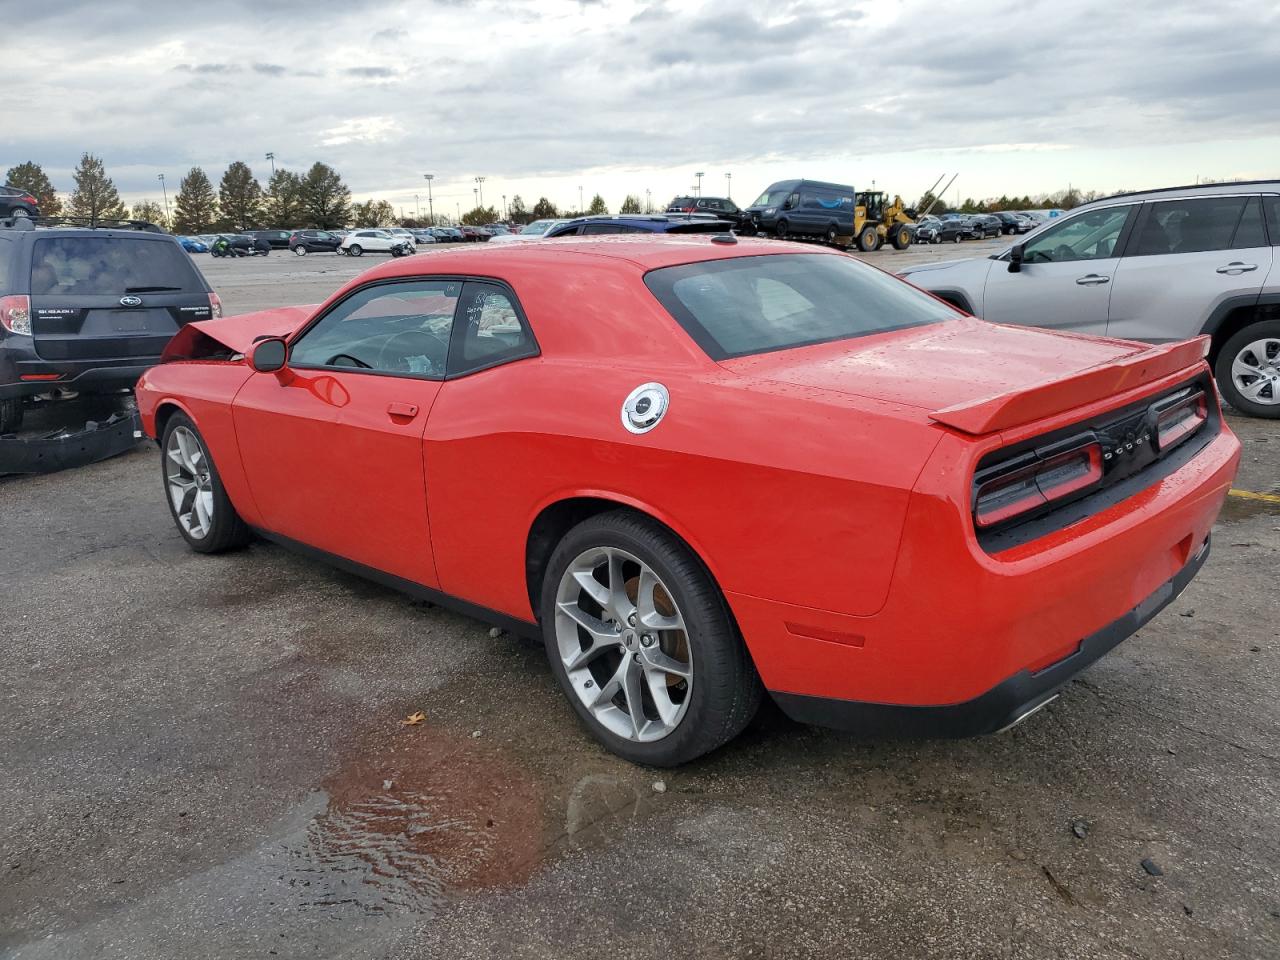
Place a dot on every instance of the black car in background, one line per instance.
(279, 239)
(638, 223)
(959, 228)
(16, 202)
(990, 225)
(302, 242)
(1012, 223)
(722, 208)
(87, 310)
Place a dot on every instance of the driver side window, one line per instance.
(399, 328)
(1087, 236)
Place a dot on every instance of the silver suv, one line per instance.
(1157, 266)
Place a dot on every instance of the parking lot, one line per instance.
(204, 757)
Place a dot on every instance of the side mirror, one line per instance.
(268, 356)
(1016, 254)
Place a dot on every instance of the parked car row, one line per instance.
(954, 227)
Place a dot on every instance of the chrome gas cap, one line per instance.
(645, 407)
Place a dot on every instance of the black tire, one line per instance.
(11, 412)
(1227, 356)
(781, 229)
(300, 250)
(227, 531)
(355, 250)
(833, 236)
(869, 239)
(726, 691)
(901, 237)
(957, 238)
(19, 212)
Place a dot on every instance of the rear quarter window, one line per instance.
(6, 262)
(110, 266)
(757, 304)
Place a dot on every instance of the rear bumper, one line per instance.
(91, 376)
(1001, 706)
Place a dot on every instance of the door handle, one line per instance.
(1092, 279)
(1235, 266)
(406, 411)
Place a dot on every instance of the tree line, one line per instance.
(317, 198)
(1061, 200)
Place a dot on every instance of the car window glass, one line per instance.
(399, 328)
(109, 266)
(1249, 231)
(491, 330)
(598, 228)
(749, 305)
(1271, 208)
(1189, 226)
(1086, 236)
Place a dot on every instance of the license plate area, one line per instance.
(129, 321)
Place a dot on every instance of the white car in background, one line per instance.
(533, 231)
(359, 242)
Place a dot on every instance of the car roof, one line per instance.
(1192, 190)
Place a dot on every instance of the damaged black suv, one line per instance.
(86, 308)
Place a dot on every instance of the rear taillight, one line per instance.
(215, 306)
(15, 314)
(1028, 486)
(1180, 418)
(31, 200)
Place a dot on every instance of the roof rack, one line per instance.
(90, 223)
(1187, 186)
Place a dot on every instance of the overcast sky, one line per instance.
(542, 96)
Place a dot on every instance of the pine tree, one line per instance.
(325, 197)
(240, 197)
(631, 204)
(95, 196)
(597, 207)
(283, 206)
(196, 206)
(30, 176)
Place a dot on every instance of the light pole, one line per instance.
(431, 209)
(699, 176)
(504, 206)
(459, 208)
(417, 208)
(480, 191)
(728, 185)
(475, 196)
(272, 157)
(648, 202)
(165, 191)
(581, 209)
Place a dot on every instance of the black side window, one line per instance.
(1249, 231)
(491, 329)
(1271, 207)
(593, 229)
(1189, 226)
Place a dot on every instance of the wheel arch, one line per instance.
(1236, 313)
(165, 409)
(957, 298)
(559, 515)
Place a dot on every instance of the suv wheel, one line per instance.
(300, 250)
(19, 212)
(355, 250)
(11, 412)
(642, 642)
(1248, 370)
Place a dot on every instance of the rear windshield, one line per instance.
(109, 266)
(748, 305)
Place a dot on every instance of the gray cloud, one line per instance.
(270, 69)
(370, 72)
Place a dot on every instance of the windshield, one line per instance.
(774, 196)
(756, 304)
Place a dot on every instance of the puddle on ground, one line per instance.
(1244, 508)
(401, 832)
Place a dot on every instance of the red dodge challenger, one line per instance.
(704, 468)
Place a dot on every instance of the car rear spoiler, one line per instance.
(211, 338)
(1041, 400)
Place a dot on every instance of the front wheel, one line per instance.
(355, 250)
(299, 251)
(197, 500)
(868, 239)
(781, 229)
(901, 237)
(1248, 370)
(642, 642)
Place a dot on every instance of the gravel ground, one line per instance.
(203, 757)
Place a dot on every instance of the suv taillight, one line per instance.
(1027, 488)
(215, 306)
(15, 314)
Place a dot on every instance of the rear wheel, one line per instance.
(355, 250)
(1248, 370)
(901, 237)
(11, 412)
(19, 212)
(300, 251)
(781, 229)
(197, 501)
(868, 239)
(642, 642)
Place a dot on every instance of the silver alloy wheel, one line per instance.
(623, 644)
(190, 485)
(1255, 371)
(299, 251)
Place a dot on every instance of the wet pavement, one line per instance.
(205, 757)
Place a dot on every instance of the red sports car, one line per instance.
(706, 468)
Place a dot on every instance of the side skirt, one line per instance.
(513, 625)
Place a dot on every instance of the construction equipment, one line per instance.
(877, 221)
